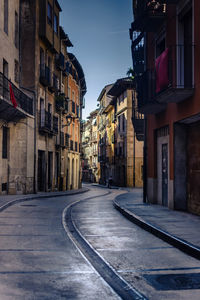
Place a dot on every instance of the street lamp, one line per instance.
(69, 120)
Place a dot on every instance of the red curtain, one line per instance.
(162, 76)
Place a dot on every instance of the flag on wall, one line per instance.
(12, 97)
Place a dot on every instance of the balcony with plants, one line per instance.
(60, 100)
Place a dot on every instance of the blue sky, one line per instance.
(99, 31)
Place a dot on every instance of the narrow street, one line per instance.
(40, 258)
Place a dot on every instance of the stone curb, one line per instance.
(181, 244)
(14, 201)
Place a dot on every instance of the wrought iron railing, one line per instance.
(55, 124)
(45, 75)
(45, 120)
(23, 101)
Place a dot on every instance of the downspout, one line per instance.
(134, 159)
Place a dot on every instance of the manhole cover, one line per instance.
(174, 281)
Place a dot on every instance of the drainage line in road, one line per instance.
(116, 282)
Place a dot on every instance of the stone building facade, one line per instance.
(16, 119)
(120, 148)
(34, 40)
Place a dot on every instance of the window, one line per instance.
(5, 68)
(16, 31)
(41, 56)
(49, 14)
(69, 92)
(16, 71)
(5, 142)
(42, 113)
(119, 119)
(55, 23)
(6, 16)
(123, 122)
(73, 96)
(73, 107)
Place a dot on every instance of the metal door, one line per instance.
(165, 174)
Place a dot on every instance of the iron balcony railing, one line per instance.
(60, 139)
(23, 101)
(171, 81)
(60, 61)
(45, 121)
(66, 140)
(60, 101)
(55, 82)
(45, 75)
(148, 14)
(137, 49)
(55, 124)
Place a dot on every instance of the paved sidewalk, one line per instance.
(175, 227)
(8, 200)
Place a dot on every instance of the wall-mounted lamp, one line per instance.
(69, 120)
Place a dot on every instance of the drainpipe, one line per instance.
(145, 162)
(134, 159)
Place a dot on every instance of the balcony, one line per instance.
(148, 15)
(174, 77)
(60, 140)
(67, 140)
(60, 101)
(24, 103)
(45, 75)
(137, 49)
(45, 121)
(60, 61)
(55, 125)
(138, 124)
(170, 82)
(54, 85)
(146, 89)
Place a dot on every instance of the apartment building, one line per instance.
(76, 92)
(94, 137)
(57, 81)
(16, 109)
(168, 94)
(128, 166)
(104, 101)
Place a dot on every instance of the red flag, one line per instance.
(12, 97)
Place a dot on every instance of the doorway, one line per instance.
(41, 171)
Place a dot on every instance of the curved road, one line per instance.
(40, 256)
